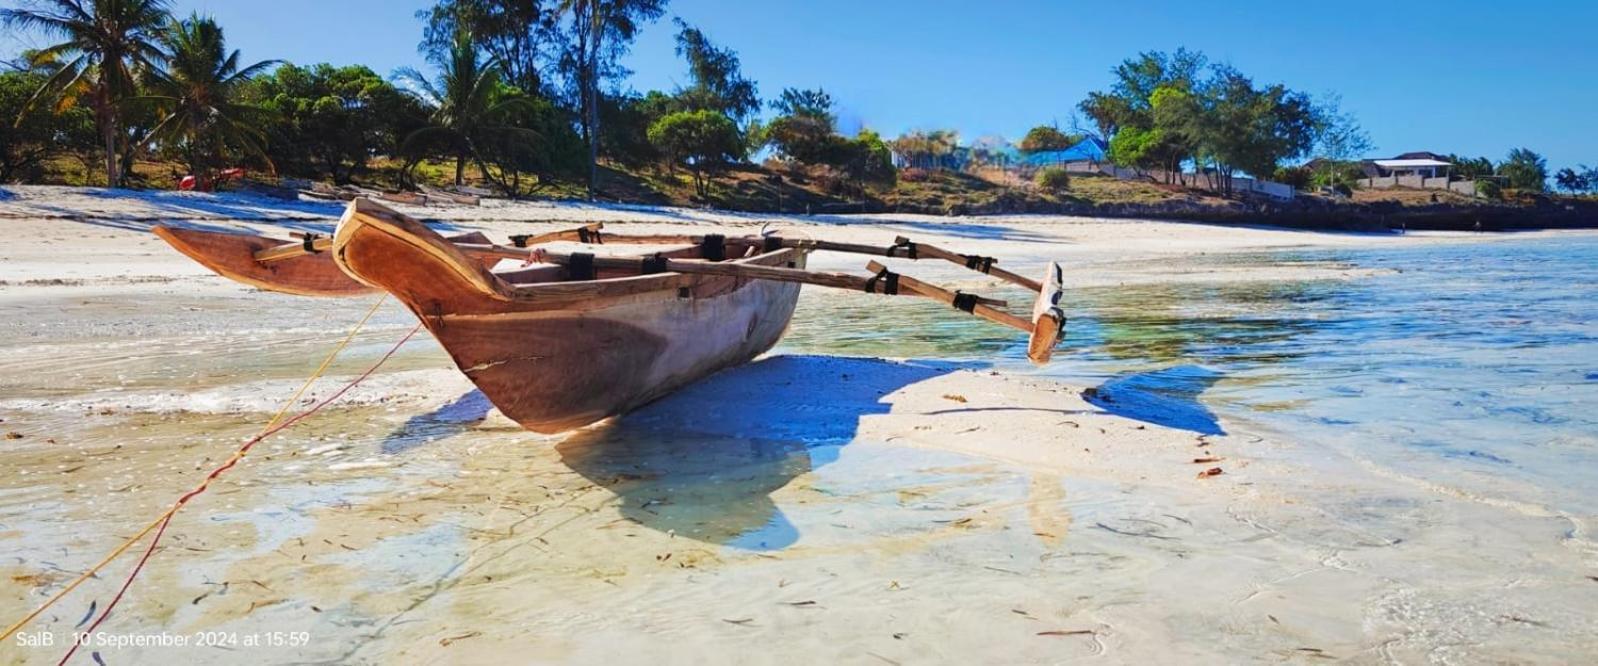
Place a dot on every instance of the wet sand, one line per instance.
(850, 498)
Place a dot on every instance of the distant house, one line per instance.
(1087, 151)
(1410, 164)
(1418, 170)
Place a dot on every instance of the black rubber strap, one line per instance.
(310, 243)
(974, 262)
(652, 265)
(773, 243)
(908, 245)
(713, 247)
(580, 266)
(965, 302)
(889, 280)
(519, 240)
(586, 236)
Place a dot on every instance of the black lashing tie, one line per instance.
(965, 302)
(652, 265)
(580, 266)
(773, 243)
(586, 236)
(984, 264)
(908, 245)
(889, 279)
(713, 247)
(519, 240)
(310, 243)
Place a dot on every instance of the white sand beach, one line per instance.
(814, 507)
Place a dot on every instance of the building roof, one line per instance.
(1421, 155)
(1410, 164)
(1086, 150)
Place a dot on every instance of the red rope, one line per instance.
(238, 455)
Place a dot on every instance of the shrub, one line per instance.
(1297, 176)
(1489, 189)
(1053, 179)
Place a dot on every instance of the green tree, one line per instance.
(1128, 101)
(806, 129)
(466, 108)
(507, 155)
(1570, 180)
(807, 139)
(870, 159)
(522, 35)
(808, 103)
(701, 139)
(1047, 137)
(1340, 142)
(716, 81)
(626, 121)
(197, 92)
(598, 33)
(107, 42)
(1525, 170)
(1134, 146)
(30, 133)
(1471, 169)
(1161, 138)
(1164, 110)
(332, 120)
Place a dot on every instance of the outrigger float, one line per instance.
(572, 338)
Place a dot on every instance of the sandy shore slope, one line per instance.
(812, 508)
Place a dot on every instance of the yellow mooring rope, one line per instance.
(237, 455)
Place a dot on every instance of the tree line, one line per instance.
(529, 92)
(523, 91)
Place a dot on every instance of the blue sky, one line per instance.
(1474, 77)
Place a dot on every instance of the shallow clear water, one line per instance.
(1470, 367)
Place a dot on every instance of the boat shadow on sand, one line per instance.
(703, 462)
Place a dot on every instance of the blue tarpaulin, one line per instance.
(1086, 150)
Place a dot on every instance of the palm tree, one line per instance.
(465, 101)
(107, 43)
(195, 94)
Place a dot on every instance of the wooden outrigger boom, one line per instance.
(903, 248)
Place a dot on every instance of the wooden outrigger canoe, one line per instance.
(582, 338)
(569, 339)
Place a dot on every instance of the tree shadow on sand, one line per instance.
(1166, 397)
(703, 462)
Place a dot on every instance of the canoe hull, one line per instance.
(553, 358)
(558, 371)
